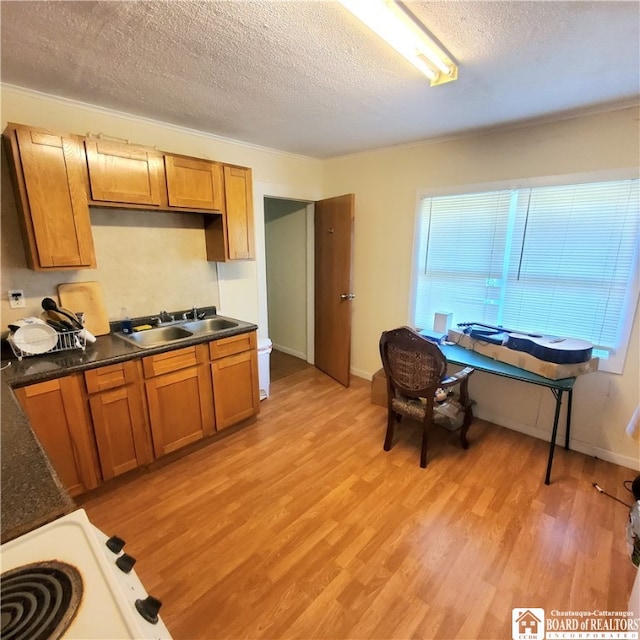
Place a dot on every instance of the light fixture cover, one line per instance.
(393, 24)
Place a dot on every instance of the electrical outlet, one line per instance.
(16, 299)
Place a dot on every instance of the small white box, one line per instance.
(442, 322)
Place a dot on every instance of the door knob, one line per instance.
(347, 296)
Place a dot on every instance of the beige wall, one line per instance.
(387, 184)
(286, 247)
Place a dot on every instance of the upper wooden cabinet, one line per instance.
(230, 237)
(123, 173)
(193, 184)
(48, 174)
(58, 176)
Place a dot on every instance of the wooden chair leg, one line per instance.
(391, 423)
(468, 419)
(425, 443)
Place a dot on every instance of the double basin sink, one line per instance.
(164, 335)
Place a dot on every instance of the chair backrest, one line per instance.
(414, 366)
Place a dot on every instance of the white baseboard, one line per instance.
(359, 373)
(575, 445)
(290, 352)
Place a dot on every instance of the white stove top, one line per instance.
(107, 607)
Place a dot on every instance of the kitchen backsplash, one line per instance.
(144, 265)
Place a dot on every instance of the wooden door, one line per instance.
(58, 417)
(235, 388)
(122, 173)
(55, 209)
(333, 285)
(193, 184)
(119, 421)
(231, 235)
(180, 408)
(239, 213)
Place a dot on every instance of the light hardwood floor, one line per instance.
(283, 365)
(301, 526)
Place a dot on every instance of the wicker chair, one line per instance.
(415, 369)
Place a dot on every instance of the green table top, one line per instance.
(456, 354)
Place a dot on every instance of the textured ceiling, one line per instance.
(307, 77)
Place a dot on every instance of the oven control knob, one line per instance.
(125, 562)
(148, 608)
(115, 544)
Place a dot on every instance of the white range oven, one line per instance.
(67, 579)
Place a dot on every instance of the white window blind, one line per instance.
(557, 260)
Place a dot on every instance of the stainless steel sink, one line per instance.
(209, 325)
(156, 337)
(164, 335)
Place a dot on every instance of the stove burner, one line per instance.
(38, 601)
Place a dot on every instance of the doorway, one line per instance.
(308, 274)
(289, 275)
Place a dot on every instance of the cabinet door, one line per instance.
(230, 237)
(235, 388)
(193, 184)
(122, 173)
(49, 180)
(119, 418)
(239, 212)
(58, 417)
(180, 408)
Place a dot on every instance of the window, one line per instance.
(559, 260)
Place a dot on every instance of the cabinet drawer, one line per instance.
(174, 360)
(234, 344)
(110, 377)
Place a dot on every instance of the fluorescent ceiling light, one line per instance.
(398, 29)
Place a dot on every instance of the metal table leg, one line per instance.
(558, 396)
(568, 432)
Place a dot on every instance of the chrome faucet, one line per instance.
(194, 314)
(164, 318)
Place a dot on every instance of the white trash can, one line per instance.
(264, 377)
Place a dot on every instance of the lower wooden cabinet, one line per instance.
(179, 397)
(234, 370)
(119, 419)
(58, 416)
(106, 421)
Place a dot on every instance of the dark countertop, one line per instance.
(31, 491)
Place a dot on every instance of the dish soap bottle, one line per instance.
(126, 324)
